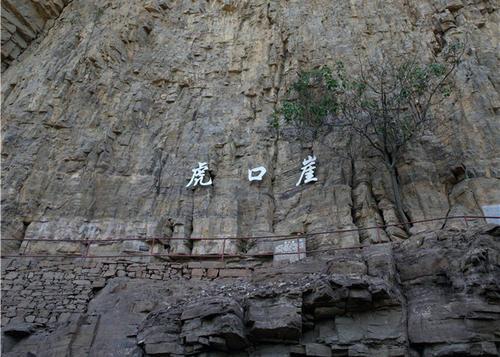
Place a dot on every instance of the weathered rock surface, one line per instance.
(107, 106)
(22, 22)
(104, 118)
(437, 294)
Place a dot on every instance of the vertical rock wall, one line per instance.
(105, 117)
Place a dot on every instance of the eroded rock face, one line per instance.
(436, 294)
(106, 108)
(103, 120)
(22, 22)
(437, 317)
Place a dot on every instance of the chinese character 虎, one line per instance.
(199, 175)
(261, 171)
(308, 170)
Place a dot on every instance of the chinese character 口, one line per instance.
(257, 173)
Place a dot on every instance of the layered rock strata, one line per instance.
(22, 22)
(105, 116)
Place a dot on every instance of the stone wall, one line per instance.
(47, 290)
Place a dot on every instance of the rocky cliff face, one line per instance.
(22, 22)
(107, 113)
(108, 106)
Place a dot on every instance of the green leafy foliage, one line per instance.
(310, 101)
(389, 103)
(386, 106)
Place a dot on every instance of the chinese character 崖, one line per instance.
(308, 170)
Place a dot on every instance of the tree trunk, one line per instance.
(397, 198)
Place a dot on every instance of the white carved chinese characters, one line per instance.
(308, 167)
(257, 173)
(202, 177)
(199, 175)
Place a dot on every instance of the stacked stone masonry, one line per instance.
(46, 291)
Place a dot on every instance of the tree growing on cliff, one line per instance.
(386, 104)
(309, 105)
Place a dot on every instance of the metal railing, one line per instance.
(86, 243)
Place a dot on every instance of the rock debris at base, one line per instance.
(437, 294)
